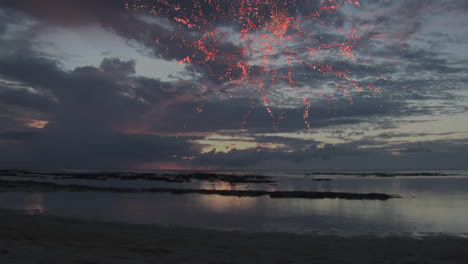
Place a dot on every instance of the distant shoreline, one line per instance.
(215, 174)
(31, 185)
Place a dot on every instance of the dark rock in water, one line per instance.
(286, 194)
(333, 195)
(380, 174)
(231, 178)
(322, 179)
(127, 176)
(45, 186)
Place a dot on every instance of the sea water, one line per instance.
(429, 204)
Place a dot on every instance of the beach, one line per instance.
(211, 218)
(35, 238)
(233, 132)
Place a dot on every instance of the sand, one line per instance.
(26, 238)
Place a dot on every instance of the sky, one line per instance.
(234, 85)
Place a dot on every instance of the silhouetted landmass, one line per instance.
(380, 174)
(190, 176)
(47, 186)
(163, 177)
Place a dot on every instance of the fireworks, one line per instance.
(252, 47)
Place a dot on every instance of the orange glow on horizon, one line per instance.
(226, 144)
(168, 165)
(37, 123)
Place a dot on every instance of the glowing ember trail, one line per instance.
(251, 48)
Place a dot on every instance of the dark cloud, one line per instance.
(257, 156)
(68, 12)
(3, 26)
(107, 150)
(26, 66)
(229, 115)
(86, 109)
(90, 104)
(117, 67)
(415, 149)
(23, 97)
(25, 136)
(108, 97)
(449, 155)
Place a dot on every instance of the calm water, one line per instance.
(430, 205)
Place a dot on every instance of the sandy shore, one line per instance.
(49, 239)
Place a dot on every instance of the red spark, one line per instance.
(264, 35)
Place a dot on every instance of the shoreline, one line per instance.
(28, 238)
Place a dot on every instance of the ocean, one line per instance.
(428, 203)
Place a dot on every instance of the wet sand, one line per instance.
(48, 239)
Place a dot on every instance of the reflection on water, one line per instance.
(218, 203)
(221, 204)
(433, 205)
